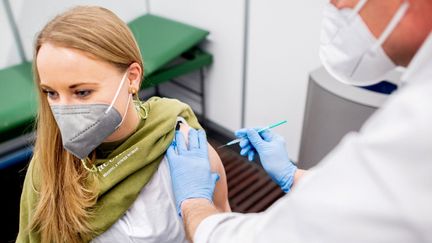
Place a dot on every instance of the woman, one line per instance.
(98, 171)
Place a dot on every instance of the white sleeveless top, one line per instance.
(152, 217)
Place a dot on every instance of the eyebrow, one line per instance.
(79, 84)
(70, 87)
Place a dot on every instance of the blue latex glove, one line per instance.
(190, 168)
(272, 152)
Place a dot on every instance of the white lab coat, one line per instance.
(376, 186)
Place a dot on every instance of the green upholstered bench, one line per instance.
(17, 101)
(17, 113)
(169, 49)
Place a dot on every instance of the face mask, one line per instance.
(85, 127)
(349, 51)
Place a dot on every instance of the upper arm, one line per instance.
(220, 197)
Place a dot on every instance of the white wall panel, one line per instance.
(31, 16)
(283, 48)
(8, 48)
(225, 21)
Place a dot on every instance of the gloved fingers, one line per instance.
(267, 135)
(254, 138)
(241, 133)
(180, 143)
(251, 155)
(202, 137)
(193, 139)
(244, 151)
(244, 142)
(171, 152)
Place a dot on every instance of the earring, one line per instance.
(132, 90)
(86, 161)
(139, 106)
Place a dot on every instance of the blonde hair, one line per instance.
(68, 191)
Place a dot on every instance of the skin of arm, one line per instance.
(194, 211)
(298, 175)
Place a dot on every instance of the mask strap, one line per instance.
(117, 93)
(357, 8)
(400, 13)
(392, 25)
(350, 18)
(127, 108)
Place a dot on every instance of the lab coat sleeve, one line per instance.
(277, 224)
(227, 227)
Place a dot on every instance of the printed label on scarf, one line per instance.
(113, 163)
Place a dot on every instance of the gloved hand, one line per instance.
(190, 168)
(272, 153)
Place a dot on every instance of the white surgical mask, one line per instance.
(349, 51)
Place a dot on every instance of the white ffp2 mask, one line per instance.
(84, 127)
(349, 51)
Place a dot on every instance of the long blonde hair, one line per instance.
(68, 191)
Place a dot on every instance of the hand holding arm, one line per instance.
(190, 168)
(193, 182)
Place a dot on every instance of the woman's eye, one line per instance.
(82, 93)
(50, 94)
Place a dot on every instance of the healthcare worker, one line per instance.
(376, 185)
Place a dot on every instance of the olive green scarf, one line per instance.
(124, 172)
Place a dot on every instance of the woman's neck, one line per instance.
(129, 125)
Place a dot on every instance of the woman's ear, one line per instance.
(135, 74)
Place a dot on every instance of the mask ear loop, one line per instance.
(400, 13)
(391, 26)
(124, 115)
(358, 7)
(115, 98)
(117, 93)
